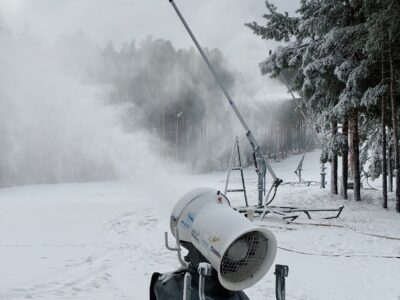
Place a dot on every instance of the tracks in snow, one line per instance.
(122, 248)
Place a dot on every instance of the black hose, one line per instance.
(280, 288)
(281, 271)
(273, 196)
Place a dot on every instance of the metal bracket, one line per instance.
(177, 248)
(187, 289)
(205, 270)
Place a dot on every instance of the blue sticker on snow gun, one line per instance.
(191, 216)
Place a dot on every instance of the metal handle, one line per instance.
(205, 270)
(187, 282)
(177, 248)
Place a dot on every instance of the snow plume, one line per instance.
(74, 111)
(178, 100)
(56, 126)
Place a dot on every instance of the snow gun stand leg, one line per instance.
(288, 213)
(187, 284)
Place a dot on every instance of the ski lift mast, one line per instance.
(260, 161)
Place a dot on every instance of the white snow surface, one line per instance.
(104, 240)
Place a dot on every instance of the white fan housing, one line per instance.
(239, 251)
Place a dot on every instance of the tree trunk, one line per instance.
(345, 158)
(351, 147)
(390, 169)
(384, 161)
(356, 157)
(395, 131)
(334, 164)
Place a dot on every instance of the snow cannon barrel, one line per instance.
(239, 251)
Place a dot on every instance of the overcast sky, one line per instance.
(217, 23)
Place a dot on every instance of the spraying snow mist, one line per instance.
(77, 108)
(55, 125)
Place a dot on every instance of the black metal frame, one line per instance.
(302, 183)
(286, 211)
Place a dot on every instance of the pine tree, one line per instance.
(345, 157)
(315, 57)
(383, 41)
(395, 128)
(335, 50)
(334, 163)
(384, 143)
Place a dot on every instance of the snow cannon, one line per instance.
(239, 252)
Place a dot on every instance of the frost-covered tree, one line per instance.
(345, 58)
(321, 49)
(382, 48)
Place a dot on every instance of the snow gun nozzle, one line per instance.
(277, 182)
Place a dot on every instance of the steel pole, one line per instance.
(260, 159)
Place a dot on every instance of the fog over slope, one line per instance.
(54, 125)
(61, 122)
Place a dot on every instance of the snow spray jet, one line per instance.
(260, 161)
(58, 126)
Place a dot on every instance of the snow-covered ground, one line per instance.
(104, 240)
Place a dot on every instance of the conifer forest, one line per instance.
(342, 57)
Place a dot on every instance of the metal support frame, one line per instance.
(308, 122)
(187, 286)
(236, 149)
(205, 270)
(303, 183)
(177, 248)
(298, 173)
(291, 213)
(262, 165)
(300, 168)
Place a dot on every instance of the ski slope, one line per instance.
(104, 240)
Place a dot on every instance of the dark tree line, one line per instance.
(171, 93)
